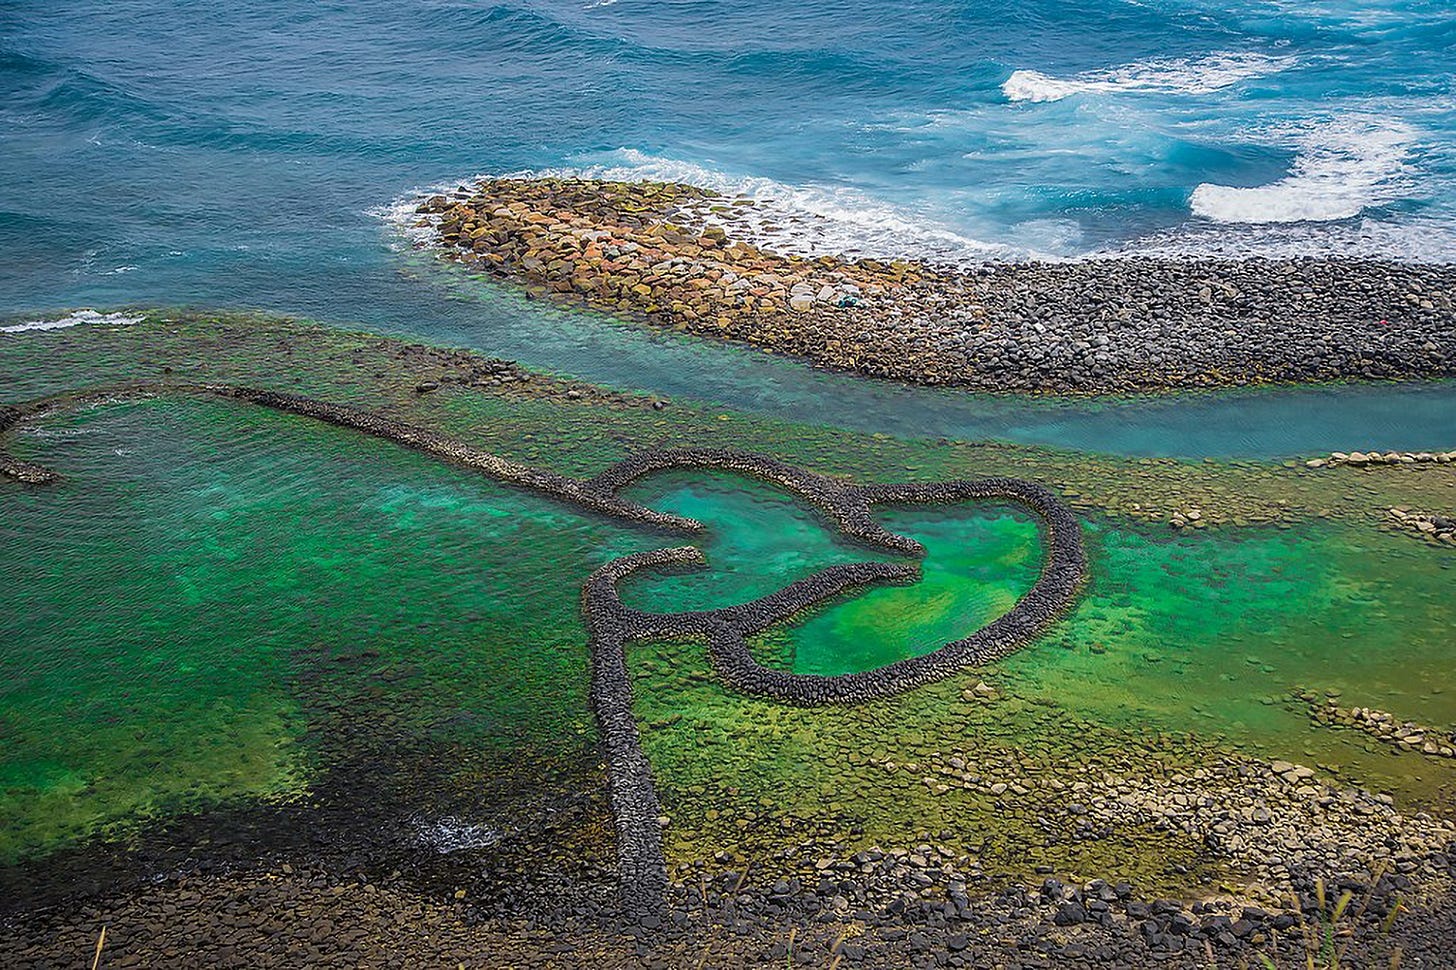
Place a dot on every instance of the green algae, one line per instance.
(155, 604)
(1206, 632)
(978, 562)
(1178, 651)
(221, 604)
(758, 539)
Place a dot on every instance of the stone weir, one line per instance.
(612, 626)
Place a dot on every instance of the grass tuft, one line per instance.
(1327, 933)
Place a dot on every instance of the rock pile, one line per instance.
(1188, 518)
(1278, 822)
(1434, 528)
(683, 257)
(898, 907)
(12, 467)
(1148, 323)
(1383, 726)
(616, 246)
(1365, 459)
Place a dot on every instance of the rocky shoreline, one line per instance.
(816, 903)
(681, 257)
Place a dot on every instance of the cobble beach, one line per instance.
(685, 258)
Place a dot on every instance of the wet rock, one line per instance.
(669, 254)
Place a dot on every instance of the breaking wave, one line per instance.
(1342, 168)
(71, 320)
(1166, 75)
(803, 219)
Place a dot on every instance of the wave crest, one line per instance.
(1343, 167)
(71, 320)
(1168, 75)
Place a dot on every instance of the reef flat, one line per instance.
(682, 257)
(1134, 789)
(642, 872)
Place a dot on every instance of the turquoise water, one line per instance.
(154, 152)
(450, 307)
(1267, 422)
(223, 602)
(216, 595)
(226, 144)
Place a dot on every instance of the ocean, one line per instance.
(156, 152)
(163, 141)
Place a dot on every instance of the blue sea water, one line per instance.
(247, 155)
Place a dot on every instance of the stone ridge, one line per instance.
(648, 246)
(1430, 526)
(12, 467)
(1387, 728)
(661, 251)
(611, 625)
(684, 258)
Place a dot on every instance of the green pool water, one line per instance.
(213, 591)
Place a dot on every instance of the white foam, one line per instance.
(401, 216)
(1180, 75)
(1424, 240)
(452, 834)
(803, 219)
(71, 320)
(36, 431)
(1343, 167)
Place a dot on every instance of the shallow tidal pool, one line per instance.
(218, 601)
